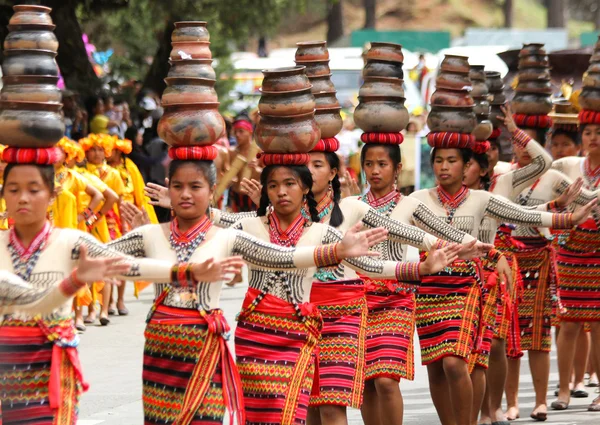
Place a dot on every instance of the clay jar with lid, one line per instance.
(30, 124)
(195, 124)
(482, 106)
(377, 68)
(29, 39)
(496, 116)
(453, 80)
(290, 134)
(454, 120)
(381, 114)
(285, 79)
(29, 62)
(190, 31)
(197, 68)
(533, 74)
(534, 61)
(326, 100)
(295, 102)
(190, 50)
(458, 98)
(329, 121)
(455, 63)
(381, 51)
(531, 103)
(312, 51)
(532, 49)
(322, 84)
(535, 86)
(30, 88)
(184, 90)
(31, 15)
(590, 98)
(477, 73)
(315, 68)
(494, 81)
(592, 79)
(382, 86)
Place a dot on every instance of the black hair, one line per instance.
(131, 133)
(46, 171)
(300, 171)
(484, 163)
(90, 104)
(465, 153)
(573, 135)
(337, 216)
(497, 144)
(540, 134)
(206, 167)
(393, 152)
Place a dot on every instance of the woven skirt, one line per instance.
(28, 394)
(481, 356)
(579, 275)
(343, 307)
(188, 373)
(448, 313)
(276, 356)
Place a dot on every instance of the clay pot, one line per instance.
(498, 98)
(390, 52)
(531, 103)
(190, 31)
(563, 106)
(29, 62)
(376, 68)
(30, 124)
(455, 63)
(297, 133)
(532, 74)
(494, 81)
(535, 86)
(382, 86)
(532, 49)
(458, 98)
(477, 73)
(326, 100)
(453, 81)
(197, 68)
(590, 98)
(184, 90)
(479, 88)
(25, 88)
(312, 51)
(321, 84)
(483, 130)
(592, 79)
(496, 116)
(316, 68)
(455, 120)
(285, 79)
(534, 61)
(381, 114)
(37, 40)
(594, 67)
(190, 50)
(482, 107)
(193, 124)
(595, 57)
(597, 45)
(31, 15)
(329, 121)
(287, 103)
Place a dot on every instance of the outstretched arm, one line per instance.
(508, 212)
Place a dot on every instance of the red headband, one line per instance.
(198, 153)
(532, 121)
(481, 147)
(284, 158)
(39, 156)
(327, 145)
(383, 138)
(496, 133)
(587, 116)
(244, 125)
(448, 140)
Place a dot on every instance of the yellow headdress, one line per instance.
(123, 145)
(68, 146)
(105, 141)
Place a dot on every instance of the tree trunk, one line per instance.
(335, 21)
(370, 6)
(508, 13)
(160, 65)
(557, 13)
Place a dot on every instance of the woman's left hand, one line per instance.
(356, 243)
(439, 258)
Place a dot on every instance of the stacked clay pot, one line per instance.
(381, 97)
(287, 112)
(496, 97)
(314, 56)
(590, 93)
(191, 107)
(30, 101)
(452, 106)
(534, 90)
(480, 94)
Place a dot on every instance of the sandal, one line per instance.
(104, 321)
(123, 311)
(595, 406)
(111, 311)
(579, 394)
(80, 327)
(559, 405)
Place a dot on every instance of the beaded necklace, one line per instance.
(452, 202)
(324, 207)
(384, 205)
(591, 176)
(186, 243)
(23, 258)
(288, 237)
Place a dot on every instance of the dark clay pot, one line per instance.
(455, 120)
(190, 31)
(477, 73)
(381, 114)
(590, 98)
(483, 130)
(482, 107)
(182, 90)
(594, 67)
(326, 100)
(595, 56)
(453, 80)
(498, 98)
(321, 84)
(30, 124)
(37, 40)
(459, 98)
(298, 133)
(29, 62)
(198, 68)
(531, 103)
(533, 74)
(297, 102)
(494, 81)
(329, 121)
(315, 68)
(285, 79)
(194, 124)
(496, 116)
(479, 88)
(312, 51)
(31, 15)
(532, 49)
(390, 52)
(455, 63)
(535, 86)
(25, 88)
(534, 61)
(376, 68)
(592, 80)
(190, 50)
(381, 86)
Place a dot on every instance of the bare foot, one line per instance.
(499, 416)
(540, 413)
(512, 413)
(91, 317)
(484, 420)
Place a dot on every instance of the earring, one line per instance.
(172, 213)
(330, 190)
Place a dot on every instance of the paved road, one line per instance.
(112, 362)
